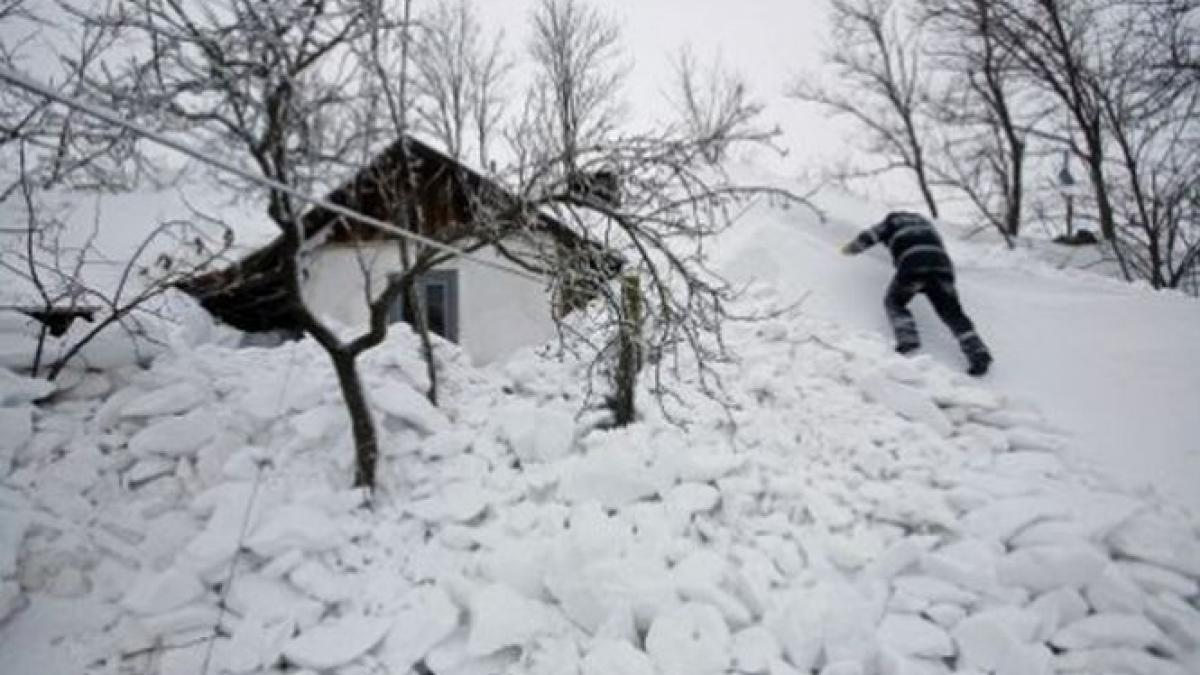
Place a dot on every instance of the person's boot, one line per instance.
(978, 364)
(907, 347)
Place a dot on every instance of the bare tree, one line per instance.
(488, 79)
(882, 86)
(985, 158)
(577, 82)
(714, 105)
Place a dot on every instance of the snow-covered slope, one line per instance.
(1113, 364)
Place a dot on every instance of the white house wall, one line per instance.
(497, 312)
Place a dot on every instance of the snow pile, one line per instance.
(849, 511)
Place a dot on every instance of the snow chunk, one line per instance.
(1124, 660)
(537, 434)
(914, 636)
(754, 649)
(501, 617)
(611, 478)
(429, 618)
(457, 502)
(1154, 539)
(335, 643)
(272, 599)
(1044, 568)
(404, 403)
(17, 424)
(11, 600)
(162, 592)
(988, 639)
(1157, 579)
(615, 657)
(1109, 630)
(908, 402)
(174, 399)
(295, 526)
(176, 436)
(1114, 591)
(18, 390)
(1004, 518)
(1179, 620)
(691, 639)
(257, 642)
(933, 590)
(1056, 609)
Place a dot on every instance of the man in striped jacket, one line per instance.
(922, 266)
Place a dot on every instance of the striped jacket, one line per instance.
(915, 244)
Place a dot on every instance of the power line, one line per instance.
(110, 116)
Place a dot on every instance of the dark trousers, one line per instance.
(939, 288)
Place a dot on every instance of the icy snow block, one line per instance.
(17, 390)
(336, 643)
(176, 436)
(295, 526)
(404, 403)
(537, 434)
(1115, 660)
(1056, 609)
(428, 619)
(16, 429)
(1109, 630)
(1004, 518)
(1179, 620)
(500, 617)
(272, 599)
(1028, 439)
(1154, 539)
(987, 639)
(457, 502)
(908, 402)
(611, 478)
(1156, 579)
(1044, 568)
(11, 600)
(691, 639)
(754, 649)
(616, 657)
(256, 643)
(1114, 591)
(914, 636)
(162, 592)
(172, 400)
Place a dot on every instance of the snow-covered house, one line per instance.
(486, 310)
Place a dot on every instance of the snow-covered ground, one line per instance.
(851, 512)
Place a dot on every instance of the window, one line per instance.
(438, 292)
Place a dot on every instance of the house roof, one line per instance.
(456, 200)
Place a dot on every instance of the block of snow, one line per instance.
(272, 598)
(966, 397)
(1179, 620)
(157, 593)
(428, 618)
(458, 502)
(1155, 579)
(1115, 660)
(895, 663)
(692, 639)
(1114, 591)
(500, 617)
(11, 600)
(13, 527)
(1154, 539)
(320, 422)
(1027, 439)
(612, 479)
(196, 617)
(337, 642)
(17, 390)
(933, 590)
(1056, 609)
(987, 639)
(915, 636)
(908, 402)
(946, 615)
(970, 563)
(899, 557)
(316, 580)
(686, 499)
(1003, 518)
(1044, 568)
(754, 649)
(402, 402)
(295, 526)
(446, 444)
(590, 592)
(176, 436)
(1108, 630)
(17, 424)
(177, 398)
(537, 434)
(616, 657)
(256, 643)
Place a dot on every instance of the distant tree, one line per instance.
(577, 80)
(882, 86)
(714, 104)
(458, 78)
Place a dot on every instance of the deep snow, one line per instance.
(853, 511)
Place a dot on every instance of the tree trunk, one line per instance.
(366, 443)
(629, 358)
(420, 322)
